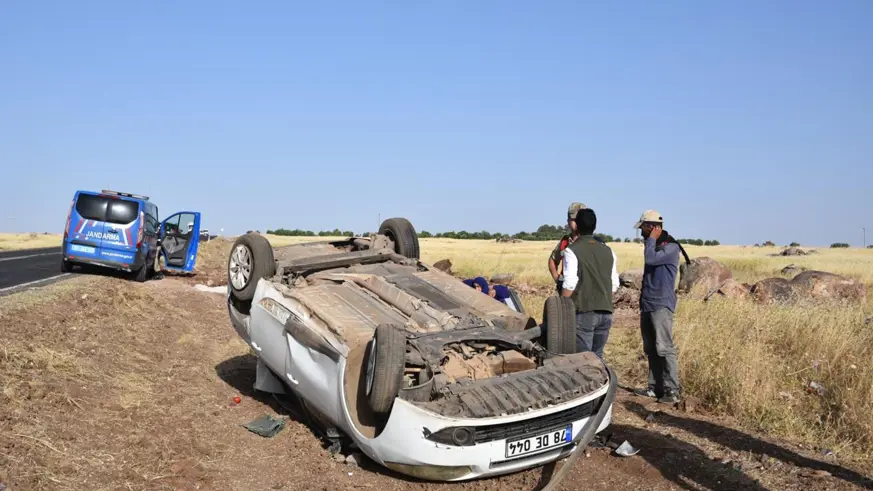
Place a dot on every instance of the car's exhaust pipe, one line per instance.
(587, 434)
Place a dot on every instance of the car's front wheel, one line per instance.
(386, 360)
(251, 258)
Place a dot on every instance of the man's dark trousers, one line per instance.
(657, 332)
(592, 331)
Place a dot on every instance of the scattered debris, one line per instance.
(214, 289)
(868, 320)
(266, 426)
(817, 388)
(650, 418)
(817, 473)
(237, 400)
(626, 449)
(339, 458)
(355, 459)
(632, 278)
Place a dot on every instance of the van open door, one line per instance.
(180, 238)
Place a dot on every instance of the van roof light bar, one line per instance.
(129, 195)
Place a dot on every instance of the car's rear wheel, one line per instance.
(251, 258)
(401, 231)
(386, 359)
(66, 266)
(559, 319)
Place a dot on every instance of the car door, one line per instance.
(180, 238)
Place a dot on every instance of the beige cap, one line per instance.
(649, 216)
(574, 208)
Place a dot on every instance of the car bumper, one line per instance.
(403, 447)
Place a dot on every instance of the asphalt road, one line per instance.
(29, 268)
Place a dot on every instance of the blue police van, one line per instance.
(122, 231)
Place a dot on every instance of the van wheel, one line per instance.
(66, 266)
(251, 258)
(559, 319)
(386, 358)
(142, 274)
(401, 231)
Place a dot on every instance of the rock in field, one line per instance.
(732, 289)
(792, 269)
(793, 251)
(772, 290)
(632, 278)
(703, 273)
(823, 285)
(444, 265)
(626, 298)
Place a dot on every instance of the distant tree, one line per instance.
(839, 245)
(794, 244)
(870, 247)
(424, 234)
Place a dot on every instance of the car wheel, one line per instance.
(66, 266)
(251, 258)
(401, 231)
(386, 358)
(559, 319)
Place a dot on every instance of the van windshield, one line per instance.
(102, 209)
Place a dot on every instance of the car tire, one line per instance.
(516, 300)
(559, 318)
(401, 231)
(386, 358)
(66, 266)
(250, 259)
(142, 274)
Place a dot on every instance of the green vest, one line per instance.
(594, 289)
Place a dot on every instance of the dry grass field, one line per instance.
(111, 384)
(751, 361)
(33, 240)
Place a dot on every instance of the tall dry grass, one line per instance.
(804, 372)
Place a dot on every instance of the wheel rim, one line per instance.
(240, 269)
(371, 366)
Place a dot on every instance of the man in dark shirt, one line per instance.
(657, 307)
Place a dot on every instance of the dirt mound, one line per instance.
(793, 251)
(703, 275)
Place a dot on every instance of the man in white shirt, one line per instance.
(590, 279)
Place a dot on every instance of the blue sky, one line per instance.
(742, 121)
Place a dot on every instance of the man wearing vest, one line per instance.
(590, 279)
(657, 305)
(557, 256)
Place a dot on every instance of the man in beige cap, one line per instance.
(557, 256)
(657, 306)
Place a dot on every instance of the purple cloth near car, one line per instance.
(478, 281)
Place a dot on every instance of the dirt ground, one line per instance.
(107, 384)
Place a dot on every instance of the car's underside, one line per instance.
(464, 353)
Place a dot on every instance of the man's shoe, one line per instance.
(647, 392)
(670, 396)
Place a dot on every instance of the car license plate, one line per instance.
(538, 443)
(82, 248)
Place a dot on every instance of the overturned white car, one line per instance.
(427, 376)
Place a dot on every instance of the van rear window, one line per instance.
(102, 209)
